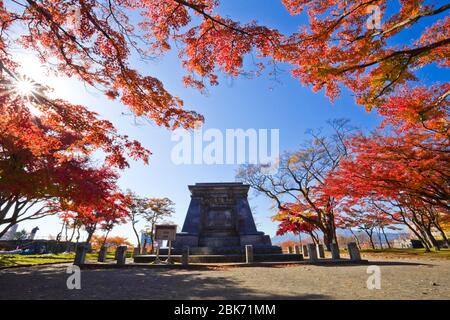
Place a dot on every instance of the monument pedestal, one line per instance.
(219, 221)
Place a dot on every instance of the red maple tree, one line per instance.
(46, 149)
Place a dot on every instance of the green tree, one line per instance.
(157, 209)
(151, 210)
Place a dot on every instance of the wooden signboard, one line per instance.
(165, 232)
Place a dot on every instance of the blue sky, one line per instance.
(258, 103)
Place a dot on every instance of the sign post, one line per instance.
(157, 260)
(169, 244)
(165, 232)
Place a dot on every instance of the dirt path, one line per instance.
(404, 279)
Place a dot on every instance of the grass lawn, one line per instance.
(408, 253)
(9, 260)
(109, 256)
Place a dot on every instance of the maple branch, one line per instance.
(392, 82)
(5, 69)
(413, 19)
(209, 17)
(125, 30)
(409, 52)
(225, 25)
(55, 26)
(345, 15)
(438, 101)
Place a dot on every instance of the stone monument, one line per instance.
(219, 221)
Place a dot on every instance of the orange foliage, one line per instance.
(112, 242)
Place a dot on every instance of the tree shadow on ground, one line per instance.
(399, 263)
(376, 262)
(331, 264)
(130, 283)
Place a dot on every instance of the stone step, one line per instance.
(225, 258)
(262, 249)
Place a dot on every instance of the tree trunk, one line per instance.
(137, 237)
(423, 230)
(72, 235)
(59, 236)
(152, 232)
(4, 231)
(424, 237)
(78, 234)
(106, 238)
(90, 231)
(414, 227)
(314, 237)
(335, 238)
(78, 238)
(144, 245)
(436, 223)
(66, 232)
(443, 235)
(69, 242)
(326, 239)
(424, 223)
(356, 238)
(386, 238)
(379, 239)
(90, 234)
(432, 239)
(329, 236)
(370, 235)
(420, 236)
(300, 240)
(329, 232)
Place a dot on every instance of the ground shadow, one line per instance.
(399, 263)
(326, 264)
(375, 262)
(129, 283)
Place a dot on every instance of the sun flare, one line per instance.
(24, 87)
(58, 85)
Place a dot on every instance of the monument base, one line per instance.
(225, 258)
(240, 250)
(224, 245)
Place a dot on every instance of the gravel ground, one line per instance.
(402, 279)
